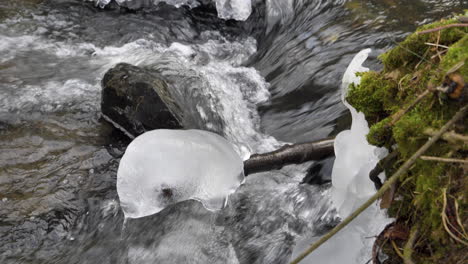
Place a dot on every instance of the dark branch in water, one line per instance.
(289, 154)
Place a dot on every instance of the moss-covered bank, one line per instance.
(434, 64)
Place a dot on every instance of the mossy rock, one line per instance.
(409, 52)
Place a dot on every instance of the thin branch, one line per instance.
(450, 136)
(399, 173)
(289, 154)
(449, 160)
(437, 45)
(443, 27)
(439, 53)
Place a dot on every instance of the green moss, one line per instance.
(373, 96)
(381, 95)
(380, 134)
(409, 52)
(457, 53)
(428, 194)
(408, 133)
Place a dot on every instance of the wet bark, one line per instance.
(289, 154)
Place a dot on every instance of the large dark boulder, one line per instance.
(136, 100)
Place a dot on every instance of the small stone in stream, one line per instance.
(136, 100)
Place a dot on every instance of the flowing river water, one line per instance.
(271, 79)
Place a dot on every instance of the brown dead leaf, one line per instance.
(393, 75)
(388, 197)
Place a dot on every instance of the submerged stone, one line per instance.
(136, 100)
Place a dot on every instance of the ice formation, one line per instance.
(162, 167)
(355, 158)
(227, 9)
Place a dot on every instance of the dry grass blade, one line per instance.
(446, 222)
(449, 160)
(397, 250)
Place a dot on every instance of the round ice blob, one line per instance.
(163, 167)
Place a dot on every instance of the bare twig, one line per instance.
(437, 48)
(444, 159)
(289, 154)
(439, 53)
(463, 19)
(399, 173)
(443, 27)
(450, 136)
(437, 45)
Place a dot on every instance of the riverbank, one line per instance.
(422, 85)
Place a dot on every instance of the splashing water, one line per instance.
(277, 74)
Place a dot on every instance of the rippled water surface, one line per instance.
(274, 78)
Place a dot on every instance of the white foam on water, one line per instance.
(50, 97)
(163, 167)
(229, 91)
(234, 9)
(355, 158)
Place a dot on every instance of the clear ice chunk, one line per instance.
(351, 187)
(355, 157)
(162, 167)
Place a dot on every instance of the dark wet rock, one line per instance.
(320, 172)
(136, 100)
